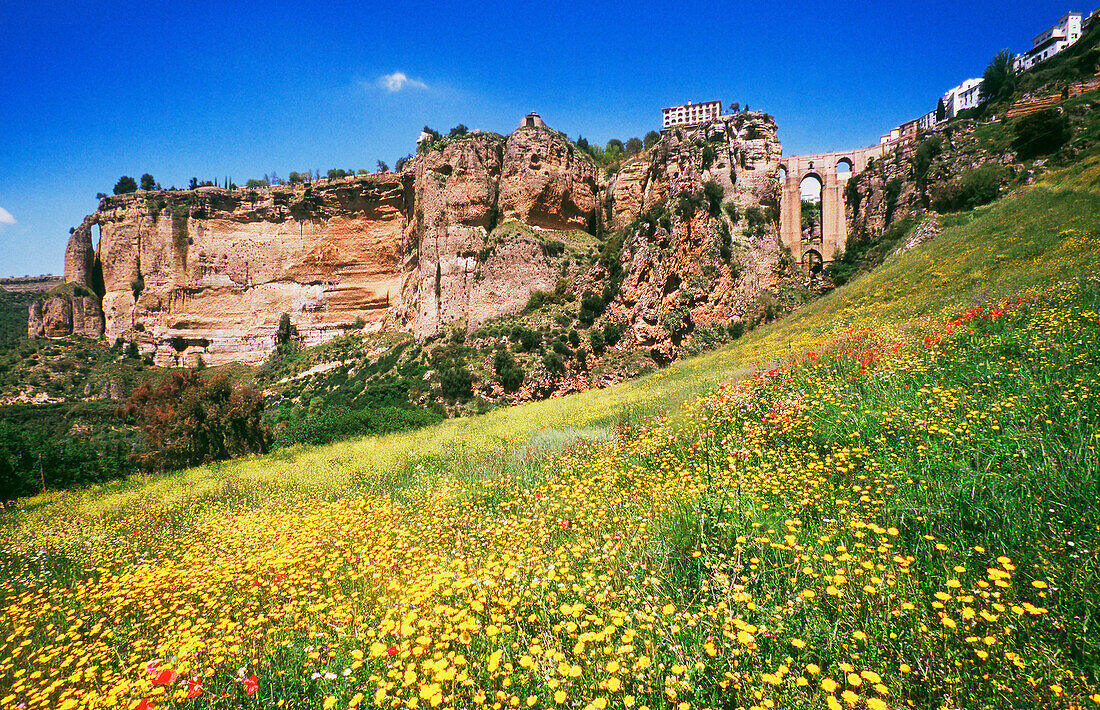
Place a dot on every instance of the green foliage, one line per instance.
(37, 448)
(286, 335)
(526, 339)
(1040, 133)
(890, 193)
(148, 182)
(928, 150)
(253, 183)
(975, 187)
(651, 139)
(508, 371)
(611, 333)
(457, 131)
(592, 305)
(595, 338)
(13, 315)
(633, 146)
(999, 79)
(189, 420)
(125, 185)
(337, 423)
(851, 194)
(456, 382)
(732, 212)
(553, 248)
(864, 255)
(713, 194)
(553, 363)
(708, 156)
(759, 219)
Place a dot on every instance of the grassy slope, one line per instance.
(1039, 235)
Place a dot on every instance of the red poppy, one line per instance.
(194, 689)
(166, 677)
(392, 650)
(151, 666)
(255, 583)
(144, 705)
(279, 578)
(251, 685)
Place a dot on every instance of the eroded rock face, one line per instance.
(63, 314)
(80, 254)
(209, 272)
(545, 182)
(454, 239)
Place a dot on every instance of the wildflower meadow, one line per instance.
(873, 524)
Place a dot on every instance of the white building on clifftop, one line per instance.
(690, 114)
(1051, 42)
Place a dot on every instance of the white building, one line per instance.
(966, 95)
(927, 121)
(690, 114)
(1049, 43)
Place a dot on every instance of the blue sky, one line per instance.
(94, 90)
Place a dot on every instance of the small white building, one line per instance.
(966, 95)
(927, 121)
(690, 114)
(1050, 42)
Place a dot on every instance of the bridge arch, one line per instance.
(833, 171)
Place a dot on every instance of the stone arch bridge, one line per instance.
(821, 248)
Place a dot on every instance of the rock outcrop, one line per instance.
(464, 233)
(545, 182)
(66, 310)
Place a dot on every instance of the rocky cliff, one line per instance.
(465, 233)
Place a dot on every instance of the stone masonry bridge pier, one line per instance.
(833, 238)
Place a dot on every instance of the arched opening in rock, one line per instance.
(812, 261)
(810, 189)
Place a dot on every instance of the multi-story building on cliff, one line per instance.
(690, 114)
(966, 95)
(1050, 42)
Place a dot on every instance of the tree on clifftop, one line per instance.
(147, 182)
(999, 79)
(651, 139)
(125, 185)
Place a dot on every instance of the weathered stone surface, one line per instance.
(80, 254)
(66, 310)
(34, 320)
(545, 182)
(453, 240)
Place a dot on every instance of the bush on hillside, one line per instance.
(190, 420)
(1040, 133)
(974, 188)
(510, 373)
(337, 423)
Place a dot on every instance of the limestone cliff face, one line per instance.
(69, 309)
(209, 272)
(457, 237)
(698, 267)
(545, 182)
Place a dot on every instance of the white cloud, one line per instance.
(399, 80)
(5, 217)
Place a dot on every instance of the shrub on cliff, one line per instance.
(456, 382)
(125, 185)
(1040, 133)
(510, 373)
(976, 187)
(190, 420)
